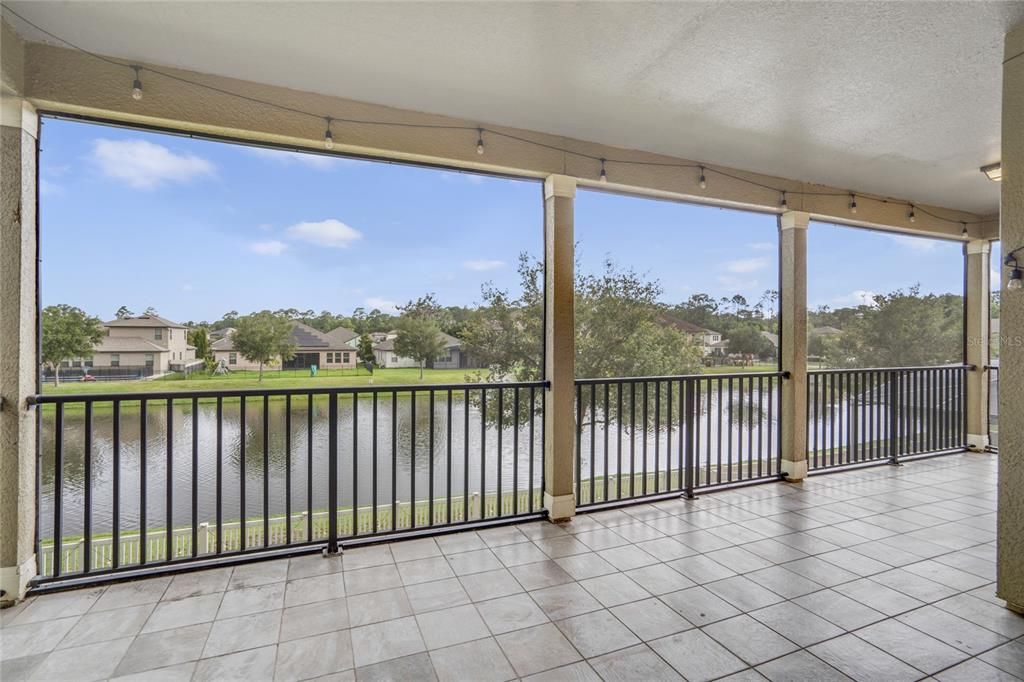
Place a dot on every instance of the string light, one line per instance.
(783, 202)
(963, 232)
(480, 141)
(328, 137)
(136, 85)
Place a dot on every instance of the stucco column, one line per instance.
(976, 313)
(559, 347)
(18, 132)
(793, 343)
(1010, 524)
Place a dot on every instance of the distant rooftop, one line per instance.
(144, 321)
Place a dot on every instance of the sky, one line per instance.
(196, 228)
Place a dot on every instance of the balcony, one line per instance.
(883, 572)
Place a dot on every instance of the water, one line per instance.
(403, 446)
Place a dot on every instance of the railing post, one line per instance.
(895, 413)
(332, 475)
(559, 347)
(793, 343)
(688, 463)
(977, 297)
(203, 538)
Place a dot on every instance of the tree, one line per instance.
(365, 350)
(200, 338)
(264, 337)
(151, 311)
(123, 313)
(419, 338)
(747, 340)
(68, 332)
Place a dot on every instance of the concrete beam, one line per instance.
(559, 348)
(976, 321)
(62, 80)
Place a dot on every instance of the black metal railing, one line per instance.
(650, 436)
(157, 479)
(867, 415)
(993, 406)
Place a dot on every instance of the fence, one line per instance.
(122, 373)
(470, 456)
(649, 436)
(865, 415)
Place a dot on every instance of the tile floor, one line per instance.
(877, 574)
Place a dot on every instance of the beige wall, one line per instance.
(1010, 585)
(132, 359)
(61, 80)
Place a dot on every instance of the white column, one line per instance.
(976, 321)
(559, 348)
(1010, 514)
(19, 128)
(793, 343)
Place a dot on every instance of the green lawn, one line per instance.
(731, 369)
(271, 379)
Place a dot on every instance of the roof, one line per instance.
(341, 335)
(223, 343)
(687, 327)
(144, 321)
(773, 338)
(449, 342)
(127, 344)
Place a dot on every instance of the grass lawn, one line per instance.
(731, 369)
(271, 379)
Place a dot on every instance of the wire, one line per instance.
(704, 168)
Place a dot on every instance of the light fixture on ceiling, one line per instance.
(328, 137)
(480, 141)
(853, 203)
(136, 85)
(993, 171)
(604, 176)
(912, 216)
(703, 181)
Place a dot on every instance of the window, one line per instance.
(149, 360)
(158, 334)
(232, 358)
(115, 359)
(345, 357)
(88, 362)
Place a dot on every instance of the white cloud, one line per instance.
(145, 165)
(266, 227)
(382, 304)
(854, 298)
(761, 246)
(914, 243)
(746, 265)
(49, 189)
(287, 158)
(332, 233)
(482, 265)
(271, 247)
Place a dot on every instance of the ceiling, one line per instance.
(895, 98)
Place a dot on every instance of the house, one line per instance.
(149, 345)
(327, 350)
(451, 357)
(706, 339)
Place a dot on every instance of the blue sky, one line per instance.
(197, 228)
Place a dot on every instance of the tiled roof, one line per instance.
(127, 344)
(144, 321)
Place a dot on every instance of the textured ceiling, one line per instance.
(898, 98)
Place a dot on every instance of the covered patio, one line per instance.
(864, 526)
(882, 573)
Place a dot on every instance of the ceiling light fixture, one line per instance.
(993, 171)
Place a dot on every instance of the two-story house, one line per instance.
(331, 350)
(146, 341)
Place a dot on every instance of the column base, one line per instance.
(977, 442)
(794, 472)
(560, 507)
(14, 580)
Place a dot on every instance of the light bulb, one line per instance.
(480, 141)
(963, 232)
(783, 203)
(912, 217)
(703, 182)
(604, 176)
(328, 137)
(853, 204)
(136, 85)
(1015, 282)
